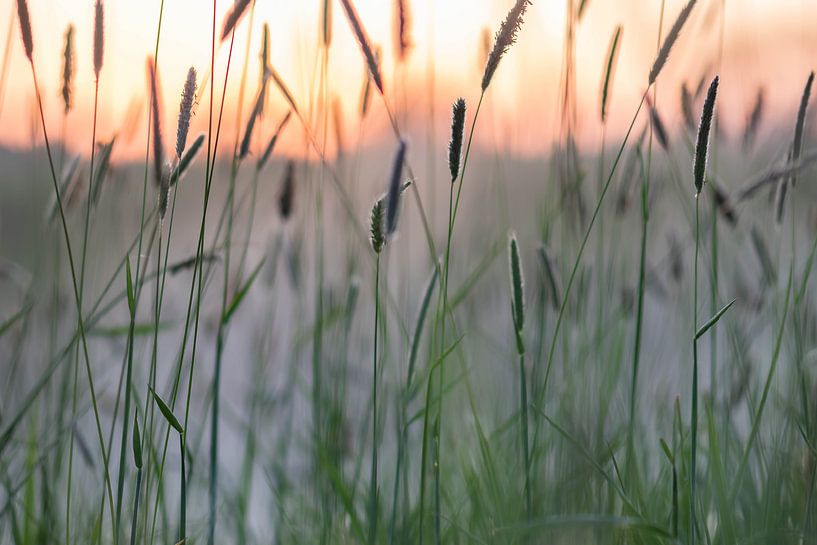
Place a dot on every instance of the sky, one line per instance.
(751, 43)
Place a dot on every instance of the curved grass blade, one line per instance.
(714, 320)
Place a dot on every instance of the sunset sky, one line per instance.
(766, 42)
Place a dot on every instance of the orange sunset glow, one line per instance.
(408, 272)
(766, 43)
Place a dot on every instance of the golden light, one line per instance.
(765, 42)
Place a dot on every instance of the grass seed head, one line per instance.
(402, 29)
(365, 44)
(286, 199)
(395, 189)
(669, 41)
(702, 142)
(68, 69)
(504, 39)
(233, 16)
(799, 127)
(376, 230)
(185, 111)
(326, 23)
(455, 144)
(517, 283)
(25, 28)
(99, 36)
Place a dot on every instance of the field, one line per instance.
(282, 329)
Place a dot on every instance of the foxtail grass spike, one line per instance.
(376, 230)
(25, 28)
(326, 23)
(68, 69)
(702, 143)
(364, 42)
(517, 282)
(402, 29)
(504, 39)
(669, 41)
(799, 128)
(393, 196)
(233, 16)
(185, 110)
(286, 199)
(99, 36)
(455, 144)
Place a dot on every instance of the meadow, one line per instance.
(406, 340)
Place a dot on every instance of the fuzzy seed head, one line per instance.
(364, 42)
(377, 234)
(669, 41)
(402, 29)
(517, 283)
(232, 18)
(702, 143)
(185, 111)
(504, 39)
(455, 144)
(99, 36)
(326, 23)
(68, 69)
(799, 127)
(394, 191)
(286, 199)
(25, 28)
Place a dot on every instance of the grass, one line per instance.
(326, 381)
